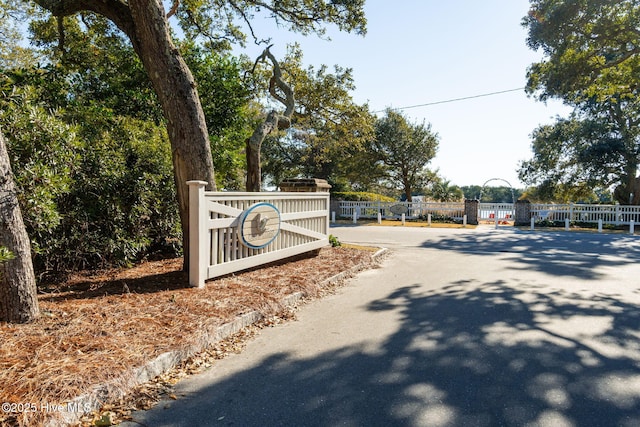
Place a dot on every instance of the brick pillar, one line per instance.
(471, 211)
(523, 212)
(305, 185)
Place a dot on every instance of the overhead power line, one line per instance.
(455, 99)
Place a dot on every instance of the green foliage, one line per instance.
(333, 241)
(99, 69)
(443, 191)
(220, 23)
(500, 194)
(591, 62)
(225, 102)
(361, 196)
(5, 255)
(122, 205)
(574, 158)
(93, 194)
(42, 150)
(404, 150)
(329, 131)
(440, 218)
(93, 165)
(13, 54)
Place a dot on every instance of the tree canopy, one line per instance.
(328, 130)
(98, 122)
(590, 62)
(404, 150)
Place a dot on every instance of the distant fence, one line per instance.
(231, 231)
(521, 212)
(411, 210)
(608, 214)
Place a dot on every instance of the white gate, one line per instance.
(496, 212)
(232, 231)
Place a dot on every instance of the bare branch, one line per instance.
(174, 8)
(277, 81)
(247, 21)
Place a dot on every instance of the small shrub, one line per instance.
(333, 240)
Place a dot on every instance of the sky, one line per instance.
(425, 51)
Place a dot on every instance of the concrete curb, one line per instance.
(115, 389)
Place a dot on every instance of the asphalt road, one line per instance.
(482, 327)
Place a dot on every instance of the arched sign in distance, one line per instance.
(259, 225)
(513, 197)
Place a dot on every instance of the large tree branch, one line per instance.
(174, 8)
(117, 11)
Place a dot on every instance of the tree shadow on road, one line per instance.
(564, 254)
(469, 354)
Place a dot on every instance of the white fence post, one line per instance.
(355, 216)
(533, 223)
(198, 262)
(379, 218)
(632, 226)
(333, 216)
(402, 219)
(429, 220)
(566, 224)
(464, 221)
(600, 225)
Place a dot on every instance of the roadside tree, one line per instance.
(591, 62)
(145, 22)
(18, 295)
(329, 132)
(405, 150)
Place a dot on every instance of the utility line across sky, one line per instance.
(453, 100)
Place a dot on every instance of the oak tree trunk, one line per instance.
(146, 25)
(18, 292)
(176, 90)
(252, 150)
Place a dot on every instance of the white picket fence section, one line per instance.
(608, 214)
(216, 240)
(412, 210)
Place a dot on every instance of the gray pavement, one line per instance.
(459, 327)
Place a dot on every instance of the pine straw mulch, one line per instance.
(95, 328)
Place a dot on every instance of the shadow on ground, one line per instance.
(470, 354)
(563, 254)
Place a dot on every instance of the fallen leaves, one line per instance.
(96, 327)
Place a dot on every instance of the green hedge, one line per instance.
(361, 196)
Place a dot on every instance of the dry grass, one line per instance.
(96, 328)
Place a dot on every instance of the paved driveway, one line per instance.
(478, 327)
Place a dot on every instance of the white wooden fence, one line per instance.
(412, 210)
(231, 231)
(608, 214)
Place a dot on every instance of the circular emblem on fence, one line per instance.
(259, 225)
(399, 209)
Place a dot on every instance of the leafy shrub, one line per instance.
(122, 205)
(94, 194)
(445, 219)
(361, 196)
(333, 241)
